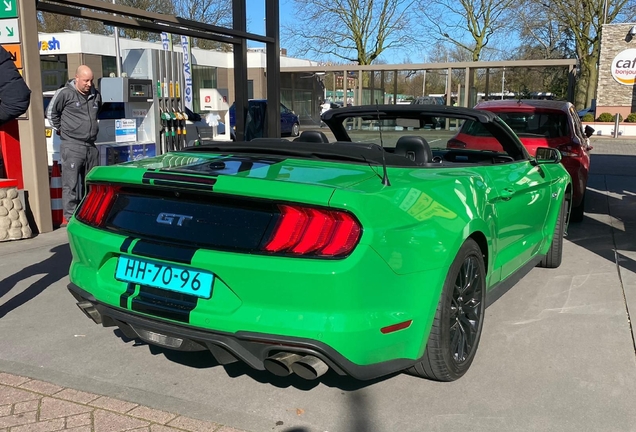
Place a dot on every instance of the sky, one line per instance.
(256, 24)
(256, 16)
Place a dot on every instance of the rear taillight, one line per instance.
(455, 143)
(571, 150)
(97, 204)
(307, 231)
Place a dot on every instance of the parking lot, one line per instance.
(557, 352)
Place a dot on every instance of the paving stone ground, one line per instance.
(28, 405)
(618, 146)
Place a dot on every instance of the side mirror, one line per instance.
(589, 131)
(546, 155)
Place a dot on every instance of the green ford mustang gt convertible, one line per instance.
(373, 251)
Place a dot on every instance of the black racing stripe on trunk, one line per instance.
(150, 249)
(123, 300)
(164, 304)
(126, 244)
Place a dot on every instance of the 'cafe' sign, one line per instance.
(624, 67)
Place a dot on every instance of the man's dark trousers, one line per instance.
(77, 161)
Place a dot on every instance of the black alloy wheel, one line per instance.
(555, 254)
(459, 318)
(466, 310)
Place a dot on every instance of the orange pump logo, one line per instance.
(624, 67)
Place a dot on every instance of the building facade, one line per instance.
(616, 89)
(62, 53)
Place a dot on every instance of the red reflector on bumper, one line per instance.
(396, 327)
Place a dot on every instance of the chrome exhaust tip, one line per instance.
(281, 364)
(90, 311)
(310, 367)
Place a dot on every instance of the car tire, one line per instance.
(555, 254)
(577, 213)
(456, 329)
(295, 130)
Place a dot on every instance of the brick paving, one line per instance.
(29, 405)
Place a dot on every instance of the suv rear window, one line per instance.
(549, 125)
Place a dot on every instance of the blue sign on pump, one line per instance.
(125, 130)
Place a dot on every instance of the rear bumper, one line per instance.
(248, 347)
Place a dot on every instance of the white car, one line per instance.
(52, 139)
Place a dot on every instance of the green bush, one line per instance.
(620, 118)
(631, 118)
(605, 118)
(589, 117)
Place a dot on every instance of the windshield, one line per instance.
(410, 135)
(441, 133)
(436, 130)
(47, 101)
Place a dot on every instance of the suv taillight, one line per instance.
(571, 150)
(455, 143)
(97, 204)
(307, 231)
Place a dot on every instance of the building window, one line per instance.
(203, 77)
(54, 69)
(109, 65)
(250, 89)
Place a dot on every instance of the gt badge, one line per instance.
(171, 218)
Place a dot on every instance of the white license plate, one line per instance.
(170, 277)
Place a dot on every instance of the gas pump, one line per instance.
(154, 115)
(134, 135)
(215, 103)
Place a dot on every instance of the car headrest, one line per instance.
(414, 148)
(312, 136)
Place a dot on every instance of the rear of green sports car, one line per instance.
(250, 258)
(303, 257)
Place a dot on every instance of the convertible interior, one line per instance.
(417, 150)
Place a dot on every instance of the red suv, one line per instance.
(538, 123)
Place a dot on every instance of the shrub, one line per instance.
(605, 118)
(620, 118)
(631, 118)
(589, 117)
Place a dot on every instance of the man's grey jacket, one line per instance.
(74, 115)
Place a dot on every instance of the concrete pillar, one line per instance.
(32, 139)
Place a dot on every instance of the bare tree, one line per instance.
(214, 12)
(467, 24)
(542, 34)
(352, 30)
(581, 21)
(54, 23)
(542, 37)
(159, 6)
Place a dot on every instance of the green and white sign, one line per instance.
(9, 33)
(8, 8)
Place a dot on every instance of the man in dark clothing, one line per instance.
(73, 113)
(15, 96)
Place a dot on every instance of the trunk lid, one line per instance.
(225, 203)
